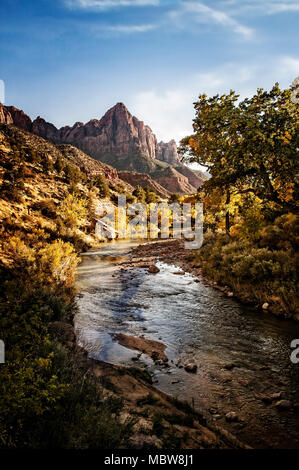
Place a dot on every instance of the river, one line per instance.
(243, 356)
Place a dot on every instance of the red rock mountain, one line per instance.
(118, 139)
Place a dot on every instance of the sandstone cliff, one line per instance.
(168, 152)
(118, 139)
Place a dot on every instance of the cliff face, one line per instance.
(143, 180)
(174, 181)
(12, 115)
(118, 133)
(168, 152)
(87, 164)
(196, 180)
(118, 139)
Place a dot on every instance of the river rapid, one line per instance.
(243, 356)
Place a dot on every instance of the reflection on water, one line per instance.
(241, 354)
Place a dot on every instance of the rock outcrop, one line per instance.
(12, 115)
(46, 130)
(143, 180)
(87, 164)
(196, 180)
(168, 152)
(174, 181)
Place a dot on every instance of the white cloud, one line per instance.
(288, 67)
(129, 29)
(282, 7)
(108, 4)
(170, 112)
(259, 7)
(201, 13)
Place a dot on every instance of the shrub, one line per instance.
(73, 174)
(174, 197)
(57, 263)
(33, 155)
(72, 210)
(47, 207)
(139, 193)
(101, 183)
(119, 188)
(59, 165)
(47, 164)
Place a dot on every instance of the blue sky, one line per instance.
(71, 60)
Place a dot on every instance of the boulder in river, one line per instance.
(152, 348)
(191, 368)
(153, 269)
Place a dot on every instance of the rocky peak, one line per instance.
(117, 133)
(45, 129)
(168, 152)
(12, 115)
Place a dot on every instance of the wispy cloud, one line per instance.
(129, 29)
(102, 5)
(259, 7)
(201, 13)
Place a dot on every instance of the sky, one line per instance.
(72, 60)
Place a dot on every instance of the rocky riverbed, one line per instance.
(230, 362)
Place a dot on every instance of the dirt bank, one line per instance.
(160, 421)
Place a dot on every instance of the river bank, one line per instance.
(244, 377)
(158, 420)
(173, 252)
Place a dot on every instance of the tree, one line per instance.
(174, 197)
(47, 164)
(59, 165)
(100, 182)
(72, 210)
(73, 174)
(150, 195)
(139, 193)
(251, 146)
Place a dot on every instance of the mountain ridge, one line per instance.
(118, 139)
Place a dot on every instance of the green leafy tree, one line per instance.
(250, 146)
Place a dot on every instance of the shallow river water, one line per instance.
(242, 355)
